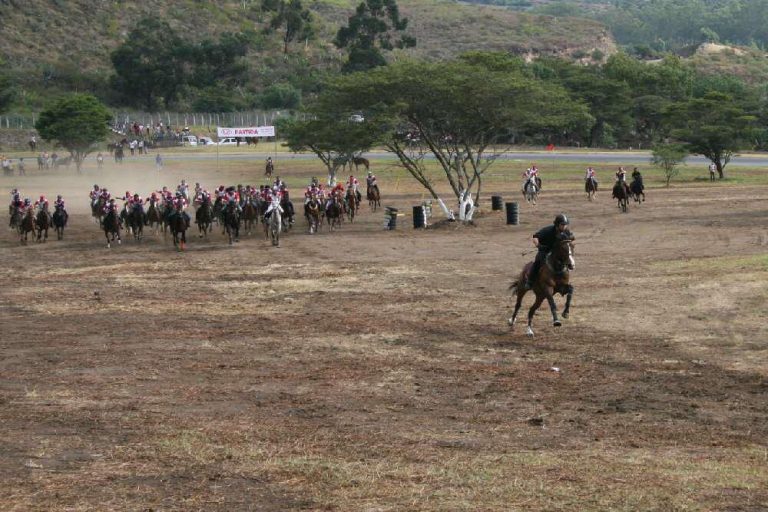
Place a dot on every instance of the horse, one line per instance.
(15, 217)
(204, 218)
(351, 199)
(288, 212)
(312, 214)
(269, 169)
(178, 223)
(97, 210)
(553, 278)
(250, 215)
(621, 194)
(218, 212)
(531, 192)
(636, 188)
(333, 213)
(26, 225)
(358, 160)
(136, 220)
(154, 218)
(232, 222)
(111, 226)
(275, 226)
(42, 223)
(66, 162)
(591, 188)
(374, 197)
(60, 218)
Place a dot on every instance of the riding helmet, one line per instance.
(561, 219)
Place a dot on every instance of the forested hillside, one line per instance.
(50, 47)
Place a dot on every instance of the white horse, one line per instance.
(275, 225)
(531, 191)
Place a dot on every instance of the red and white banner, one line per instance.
(252, 131)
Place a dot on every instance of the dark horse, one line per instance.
(312, 213)
(154, 218)
(590, 188)
(637, 187)
(111, 226)
(288, 212)
(26, 225)
(553, 278)
(232, 222)
(358, 161)
(269, 169)
(374, 197)
(250, 216)
(204, 217)
(97, 210)
(333, 213)
(136, 220)
(178, 222)
(42, 223)
(60, 218)
(621, 194)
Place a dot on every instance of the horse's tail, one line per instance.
(514, 286)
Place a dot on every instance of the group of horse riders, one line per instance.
(23, 205)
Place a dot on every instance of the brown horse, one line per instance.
(621, 194)
(42, 223)
(352, 205)
(250, 216)
(27, 225)
(374, 197)
(269, 169)
(111, 226)
(358, 161)
(554, 277)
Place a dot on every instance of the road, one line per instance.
(596, 158)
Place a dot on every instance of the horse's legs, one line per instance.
(553, 308)
(531, 312)
(518, 303)
(568, 298)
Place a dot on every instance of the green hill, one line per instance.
(50, 46)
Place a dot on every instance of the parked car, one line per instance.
(228, 141)
(356, 118)
(188, 140)
(204, 141)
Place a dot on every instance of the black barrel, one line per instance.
(418, 217)
(497, 203)
(391, 214)
(513, 213)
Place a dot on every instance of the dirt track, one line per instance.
(373, 370)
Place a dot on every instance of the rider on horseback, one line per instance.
(274, 203)
(41, 203)
(370, 180)
(544, 240)
(530, 176)
(59, 205)
(354, 184)
(590, 175)
(178, 207)
(94, 195)
(278, 184)
(621, 179)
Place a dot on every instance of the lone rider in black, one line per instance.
(544, 240)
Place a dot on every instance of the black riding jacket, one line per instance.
(547, 237)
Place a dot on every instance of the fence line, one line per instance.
(176, 120)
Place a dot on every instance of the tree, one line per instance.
(6, 88)
(76, 122)
(150, 66)
(333, 138)
(713, 126)
(292, 16)
(668, 157)
(460, 114)
(369, 31)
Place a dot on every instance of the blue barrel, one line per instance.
(513, 213)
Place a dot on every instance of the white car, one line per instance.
(356, 118)
(228, 141)
(205, 141)
(189, 140)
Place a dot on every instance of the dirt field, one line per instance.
(372, 370)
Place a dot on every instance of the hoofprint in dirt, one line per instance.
(368, 369)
